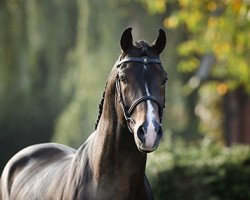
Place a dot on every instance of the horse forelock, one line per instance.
(143, 47)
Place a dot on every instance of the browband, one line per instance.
(145, 60)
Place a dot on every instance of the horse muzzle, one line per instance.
(148, 136)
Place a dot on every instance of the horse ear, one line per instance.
(126, 41)
(160, 42)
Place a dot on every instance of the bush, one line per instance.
(203, 171)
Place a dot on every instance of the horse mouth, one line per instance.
(146, 150)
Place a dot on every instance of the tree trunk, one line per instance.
(237, 118)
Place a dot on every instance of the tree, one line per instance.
(216, 49)
(36, 39)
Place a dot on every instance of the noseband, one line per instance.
(127, 110)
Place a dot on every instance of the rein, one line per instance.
(128, 110)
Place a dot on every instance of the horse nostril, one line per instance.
(141, 134)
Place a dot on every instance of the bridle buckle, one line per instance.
(145, 60)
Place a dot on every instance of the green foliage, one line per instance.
(210, 111)
(199, 171)
(221, 30)
(156, 6)
(218, 27)
(92, 58)
(36, 38)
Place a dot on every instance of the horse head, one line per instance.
(140, 85)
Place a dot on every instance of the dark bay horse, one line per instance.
(111, 163)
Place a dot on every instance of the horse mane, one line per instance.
(100, 107)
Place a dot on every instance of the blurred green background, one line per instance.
(55, 57)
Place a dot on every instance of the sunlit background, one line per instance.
(55, 58)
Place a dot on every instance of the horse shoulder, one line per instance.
(80, 180)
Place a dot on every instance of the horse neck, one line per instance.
(115, 152)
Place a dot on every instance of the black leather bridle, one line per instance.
(127, 110)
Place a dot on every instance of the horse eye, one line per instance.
(164, 81)
(123, 79)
